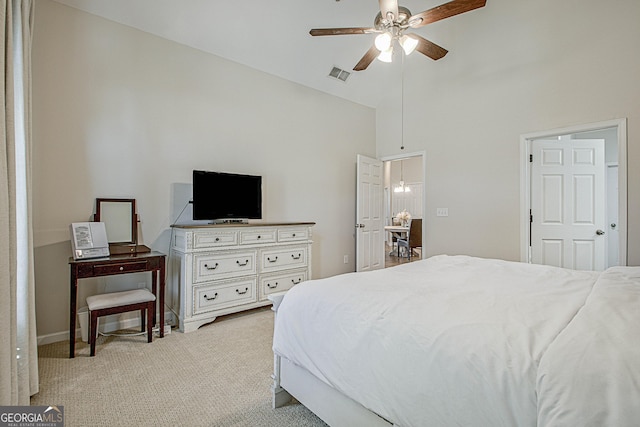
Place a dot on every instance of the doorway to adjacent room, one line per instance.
(404, 200)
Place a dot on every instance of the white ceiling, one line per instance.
(271, 36)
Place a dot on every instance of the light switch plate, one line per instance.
(442, 211)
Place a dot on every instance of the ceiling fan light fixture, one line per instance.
(390, 23)
(408, 44)
(386, 55)
(383, 41)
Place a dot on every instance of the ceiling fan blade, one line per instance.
(387, 6)
(443, 11)
(341, 31)
(367, 59)
(429, 49)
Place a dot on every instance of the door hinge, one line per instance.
(530, 216)
(530, 158)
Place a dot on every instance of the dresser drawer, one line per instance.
(251, 237)
(227, 294)
(285, 258)
(208, 266)
(293, 234)
(213, 239)
(280, 282)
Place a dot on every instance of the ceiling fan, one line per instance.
(392, 21)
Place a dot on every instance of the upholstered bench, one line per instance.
(121, 302)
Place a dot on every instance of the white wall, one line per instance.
(121, 113)
(514, 67)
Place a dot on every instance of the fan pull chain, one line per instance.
(402, 100)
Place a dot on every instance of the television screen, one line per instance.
(220, 196)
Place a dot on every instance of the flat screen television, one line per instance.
(220, 196)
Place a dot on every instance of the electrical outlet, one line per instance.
(167, 329)
(346, 259)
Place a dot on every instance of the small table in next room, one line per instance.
(116, 264)
(397, 231)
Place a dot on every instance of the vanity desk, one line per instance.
(126, 256)
(153, 262)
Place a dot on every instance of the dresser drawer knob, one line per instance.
(296, 257)
(242, 292)
(270, 286)
(211, 298)
(294, 235)
(211, 268)
(272, 260)
(259, 236)
(121, 268)
(242, 264)
(217, 239)
(296, 282)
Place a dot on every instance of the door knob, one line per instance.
(359, 225)
(599, 232)
(613, 225)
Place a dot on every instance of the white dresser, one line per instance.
(225, 268)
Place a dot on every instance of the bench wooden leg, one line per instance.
(93, 332)
(150, 314)
(142, 320)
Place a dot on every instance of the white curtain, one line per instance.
(18, 348)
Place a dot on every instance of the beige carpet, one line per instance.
(218, 375)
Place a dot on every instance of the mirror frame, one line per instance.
(101, 212)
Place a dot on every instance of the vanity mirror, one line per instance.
(121, 223)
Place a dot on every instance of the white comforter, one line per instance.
(458, 341)
(591, 371)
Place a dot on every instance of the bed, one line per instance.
(462, 341)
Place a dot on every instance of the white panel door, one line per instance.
(613, 236)
(568, 204)
(369, 215)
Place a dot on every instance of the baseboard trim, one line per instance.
(115, 323)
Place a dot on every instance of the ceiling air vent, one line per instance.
(340, 74)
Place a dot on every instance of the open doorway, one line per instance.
(404, 200)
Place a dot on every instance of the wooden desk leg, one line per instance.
(157, 287)
(161, 291)
(154, 290)
(73, 288)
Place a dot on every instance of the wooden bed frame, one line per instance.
(292, 381)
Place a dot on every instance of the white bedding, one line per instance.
(591, 372)
(451, 340)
